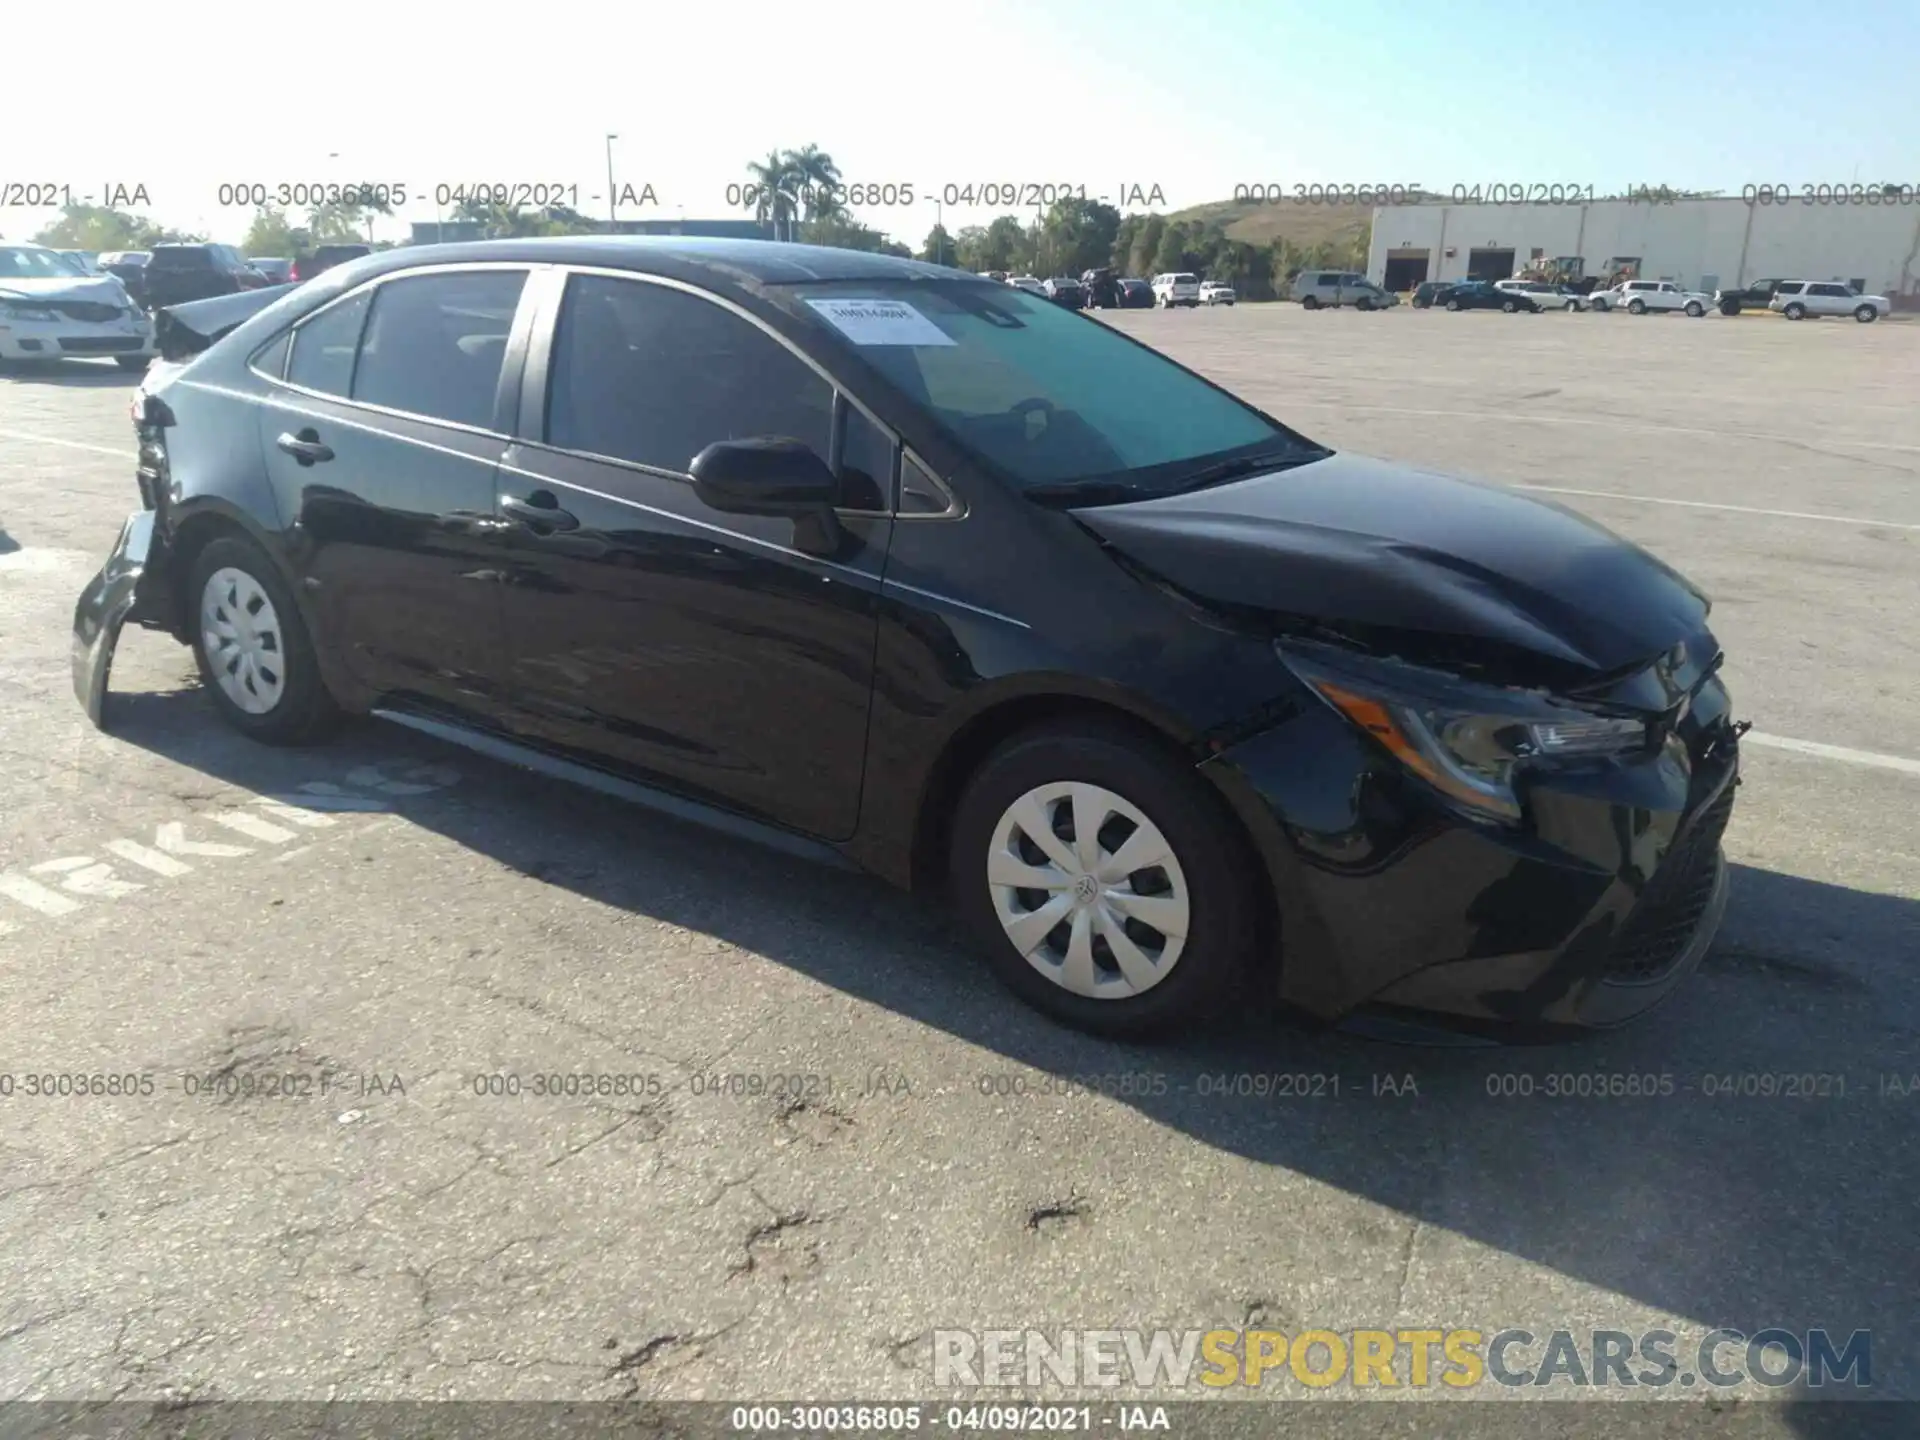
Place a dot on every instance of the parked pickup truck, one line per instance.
(1756, 296)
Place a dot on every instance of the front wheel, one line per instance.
(1795, 311)
(1363, 303)
(1571, 306)
(1866, 314)
(1729, 307)
(1696, 309)
(1637, 307)
(1309, 303)
(1453, 304)
(254, 654)
(1103, 881)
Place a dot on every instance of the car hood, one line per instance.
(94, 289)
(1362, 547)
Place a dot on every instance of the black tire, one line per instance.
(1510, 306)
(1636, 307)
(1695, 309)
(1363, 303)
(1729, 307)
(132, 362)
(1453, 304)
(1309, 303)
(1209, 973)
(305, 712)
(1795, 311)
(1866, 314)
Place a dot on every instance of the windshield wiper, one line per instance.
(1225, 470)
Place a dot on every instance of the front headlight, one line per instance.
(13, 310)
(1468, 740)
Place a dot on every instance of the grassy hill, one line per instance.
(1253, 223)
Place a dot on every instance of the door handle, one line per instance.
(540, 511)
(306, 447)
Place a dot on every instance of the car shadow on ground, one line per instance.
(80, 374)
(1717, 1196)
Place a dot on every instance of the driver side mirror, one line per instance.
(773, 475)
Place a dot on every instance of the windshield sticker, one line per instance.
(880, 322)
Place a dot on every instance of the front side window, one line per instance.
(654, 375)
(1042, 394)
(323, 348)
(1789, 287)
(434, 344)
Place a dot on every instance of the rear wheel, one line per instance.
(1102, 881)
(1866, 314)
(252, 647)
(1309, 303)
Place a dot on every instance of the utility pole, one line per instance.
(610, 216)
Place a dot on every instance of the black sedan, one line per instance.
(1135, 295)
(1484, 295)
(1070, 294)
(1429, 293)
(891, 565)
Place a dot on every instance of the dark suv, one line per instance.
(890, 565)
(179, 273)
(324, 258)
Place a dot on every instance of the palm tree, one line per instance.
(813, 171)
(772, 193)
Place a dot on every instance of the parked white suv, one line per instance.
(1797, 299)
(1176, 288)
(1547, 297)
(1637, 297)
(1027, 283)
(1216, 292)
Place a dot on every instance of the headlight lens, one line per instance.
(16, 311)
(1468, 740)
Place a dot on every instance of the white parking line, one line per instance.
(1710, 505)
(1833, 752)
(123, 452)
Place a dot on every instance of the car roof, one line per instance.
(712, 259)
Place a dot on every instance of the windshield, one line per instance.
(1044, 395)
(19, 262)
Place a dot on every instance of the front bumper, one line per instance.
(130, 586)
(75, 339)
(1394, 905)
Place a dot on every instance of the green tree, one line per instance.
(970, 248)
(97, 228)
(564, 220)
(813, 174)
(1005, 246)
(771, 196)
(270, 233)
(1078, 234)
(1146, 247)
(939, 247)
(844, 233)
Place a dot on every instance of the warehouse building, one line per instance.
(1697, 244)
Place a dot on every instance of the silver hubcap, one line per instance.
(1088, 890)
(241, 635)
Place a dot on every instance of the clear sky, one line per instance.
(1193, 97)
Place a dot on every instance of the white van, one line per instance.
(1177, 288)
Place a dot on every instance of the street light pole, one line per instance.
(610, 216)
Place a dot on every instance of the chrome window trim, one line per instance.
(373, 283)
(671, 282)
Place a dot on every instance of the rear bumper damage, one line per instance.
(128, 587)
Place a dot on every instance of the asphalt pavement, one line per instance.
(304, 1014)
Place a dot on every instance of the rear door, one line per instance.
(1830, 299)
(703, 650)
(382, 438)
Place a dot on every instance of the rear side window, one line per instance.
(434, 344)
(654, 375)
(323, 348)
(192, 257)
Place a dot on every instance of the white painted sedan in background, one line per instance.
(51, 311)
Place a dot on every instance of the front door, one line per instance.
(383, 444)
(709, 652)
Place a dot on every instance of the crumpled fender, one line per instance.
(104, 607)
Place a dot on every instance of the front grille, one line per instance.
(100, 344)
(1670, 908)
(88, 311)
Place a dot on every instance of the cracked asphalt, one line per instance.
(814, 1131)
